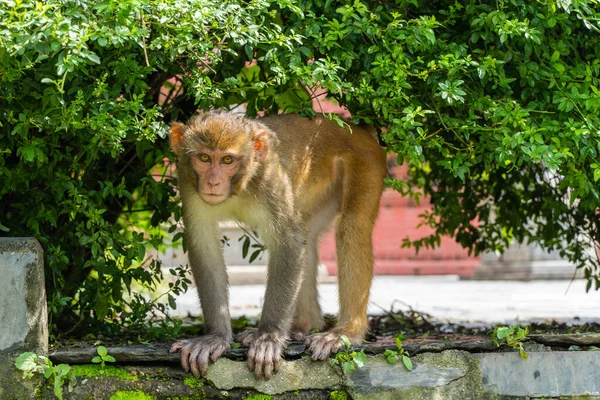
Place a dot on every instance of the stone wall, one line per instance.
(23, 313)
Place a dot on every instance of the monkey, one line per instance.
(288, 178)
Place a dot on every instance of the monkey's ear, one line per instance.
(176, 136)
(261, 144)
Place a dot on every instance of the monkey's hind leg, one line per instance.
(354, 251)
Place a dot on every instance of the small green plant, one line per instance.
(248, 238)
(393, 355)
(349, 360)
(513, 336)
(103, 357)
(239, 323)
(30, 363)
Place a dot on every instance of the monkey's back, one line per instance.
(316, 150)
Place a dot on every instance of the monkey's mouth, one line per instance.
(214, 198)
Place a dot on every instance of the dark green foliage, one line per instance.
(494, 104)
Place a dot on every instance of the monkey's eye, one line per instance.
(227, 160)
(204, 157)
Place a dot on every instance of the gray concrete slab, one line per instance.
(543, 374)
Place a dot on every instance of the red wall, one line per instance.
(398, 218)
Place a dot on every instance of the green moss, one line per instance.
(259, 397)
(194, 397)
(131, 395)
(193, 382)
(92, 370)
(338, 395)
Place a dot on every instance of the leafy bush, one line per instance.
(493, 104)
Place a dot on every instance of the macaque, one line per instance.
(288, 178)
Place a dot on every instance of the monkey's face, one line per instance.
(220, 153)
(215, 170)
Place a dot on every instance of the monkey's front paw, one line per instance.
(247, 337)
(265, 353)
(196, 353)
(322, 345)
(298, 335)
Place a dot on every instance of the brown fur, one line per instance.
(294, 176)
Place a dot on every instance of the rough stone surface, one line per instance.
(293, 375)
(13, 384)
(158, 383)
(150, 353)
(23, 314)
(378, 373)
(160, 352)
(580, 339)
(451, 374)
(545, 374)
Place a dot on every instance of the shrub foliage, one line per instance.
(493, 103)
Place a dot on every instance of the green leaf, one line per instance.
(346, 341)
(101, 305)
(26, 361)
(359, 358)
(348, 366)
(102, 351)
(48, 371)
(503, 332)
(28, 152)
(62, 369)
(245, 246)
(407, 362)
(172, 302)
(96, 360)
(92, 57)
(58, 388)
(254, 255)
(523, 353)
(109, 358)
(249, 52)
(391, 356)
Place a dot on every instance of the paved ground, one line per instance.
(444, 297)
